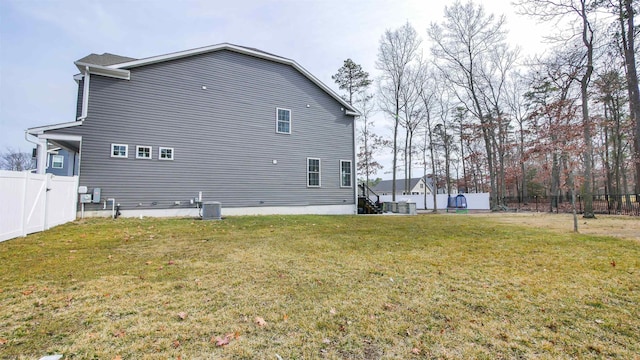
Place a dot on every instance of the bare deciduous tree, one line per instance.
(462, 43)
(398, 49)
(583, 11)
(12, 159)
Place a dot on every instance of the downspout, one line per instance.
(85, 94)
(41, 160)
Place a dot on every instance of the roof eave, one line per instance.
(42, 129)
(103, 70)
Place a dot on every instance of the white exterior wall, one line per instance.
(35, 202)
(475, 201)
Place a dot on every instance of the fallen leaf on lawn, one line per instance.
(118, 357)
(176, 343)
(415, 351)
(260, 321)
(119, 333)
(388, 306)
(332, 311)
(171, 262)
(3, 341)
(148, 262)
(27, 292)
(220, 341)
(182, 315)
(91, 335)
(613, 263)
(285, 317)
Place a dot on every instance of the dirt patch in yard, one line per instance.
(608, 225)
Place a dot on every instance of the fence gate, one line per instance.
(33, 202)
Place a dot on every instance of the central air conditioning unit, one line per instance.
(211, 210)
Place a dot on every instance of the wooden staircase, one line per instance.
(368, 200)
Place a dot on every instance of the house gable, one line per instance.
(115, 66)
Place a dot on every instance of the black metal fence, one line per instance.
(627, 204)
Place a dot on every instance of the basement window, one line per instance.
(119, 150)
(165, 153)
(143, 152)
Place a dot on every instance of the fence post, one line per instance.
(23, 225)
(536, 202)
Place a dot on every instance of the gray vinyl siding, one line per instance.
(224, 137)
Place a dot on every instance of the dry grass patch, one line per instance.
(626, 227)
(336, 287)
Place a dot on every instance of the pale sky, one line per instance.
(40, 40)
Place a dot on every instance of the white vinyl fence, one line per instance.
(476, 201)
(32, 202)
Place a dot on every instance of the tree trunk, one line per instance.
(587, 40)
(395, 154)
(522, 164)
(632, 83)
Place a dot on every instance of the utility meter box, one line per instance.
(96, 195)
(85, 198)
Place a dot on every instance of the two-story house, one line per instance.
(252, 130)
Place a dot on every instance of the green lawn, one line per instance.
(336, 287)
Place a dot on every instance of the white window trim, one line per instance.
(290, 121)
(126, 151)
(350, 174)
(142, 157)
(53, 162)
(319, 173)
(173, 153)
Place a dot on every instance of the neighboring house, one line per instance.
(417, 186)
(252, 130)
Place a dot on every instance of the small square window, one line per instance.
(345, 173)
(165, 153)
(119, 150)
(57, 161)
(283, 121)
(143, 152)
(313, 172)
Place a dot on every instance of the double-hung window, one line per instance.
(119, 150)
(345, 173)
(313, 172)
(57, 161)
(283, 121)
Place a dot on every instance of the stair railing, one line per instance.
(365, 191)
